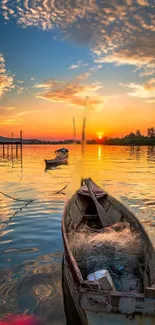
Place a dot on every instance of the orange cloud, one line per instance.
(142, 2)
(140, 52)
(150, 101)
(150, 85)
(73, 93)
(6, 110)
(146, 90)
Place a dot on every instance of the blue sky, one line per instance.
(33, 52)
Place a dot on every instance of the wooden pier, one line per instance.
(12, 147)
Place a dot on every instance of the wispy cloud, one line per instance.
(143, 2)
(8, 121)
(83, 76)
(48, 84)
(150, 101)
(74, 66)
(11, 116)
(20, 81)
(139, 52)
(73, 93)
(150, 85)
(23, 113)
(6, 79)
(146, 90)
(43, 85)
(78, 65)
(20, 90)
(6, 110)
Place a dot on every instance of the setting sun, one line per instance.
(100, 135)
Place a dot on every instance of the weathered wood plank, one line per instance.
(114, 214)
(150, 292)
(90, 285)
(81, 202)
(74, 293)
(94, 318)
(105, 219)
(124, 303)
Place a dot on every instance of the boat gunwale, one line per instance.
(55, 162)
(71, 262)
(113, 200)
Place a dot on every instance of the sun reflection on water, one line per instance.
(99, 152)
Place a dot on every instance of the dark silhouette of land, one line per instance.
(130, 139)
(33, 141)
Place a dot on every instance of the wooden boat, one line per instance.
(60, 159)
(56, 162)
(85, 301)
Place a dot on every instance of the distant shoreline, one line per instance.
(109, 143)
(96, 143)
(129, 140)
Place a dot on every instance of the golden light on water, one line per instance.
(99, 152)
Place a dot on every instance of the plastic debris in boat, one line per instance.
(104, 279)
(117, 270)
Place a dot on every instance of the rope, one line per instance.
(61, 190)
(15, 199)
(28, 201)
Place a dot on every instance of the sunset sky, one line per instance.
(61, 57)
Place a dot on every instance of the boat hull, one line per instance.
(55, 163)
(77, 315)
(72, 315)
(118, 319)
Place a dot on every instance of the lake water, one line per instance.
(30, 237)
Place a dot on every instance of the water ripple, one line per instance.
(30, 270)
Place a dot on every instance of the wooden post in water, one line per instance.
(21, 147)
(12, 145)
(7, 150)
(3, 150)
(21, 137)
(16, 150)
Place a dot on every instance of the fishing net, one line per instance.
(117, 249)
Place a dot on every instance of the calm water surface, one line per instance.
(30, 237)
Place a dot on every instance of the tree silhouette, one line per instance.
(151, 132)
(138, 134)
(130, 135)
